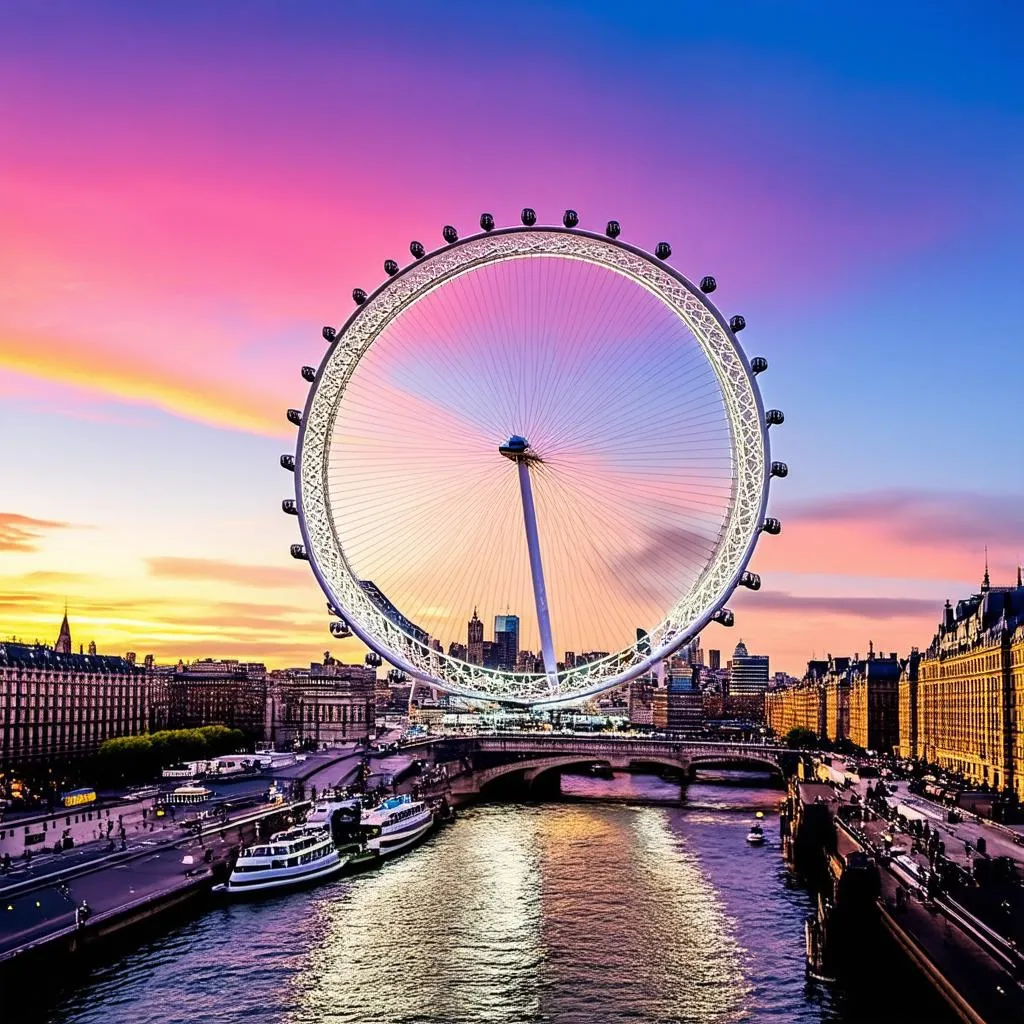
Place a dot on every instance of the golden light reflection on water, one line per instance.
(555, 913)
(650, 937)
(450, 932)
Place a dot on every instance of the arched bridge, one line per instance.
(485, 759)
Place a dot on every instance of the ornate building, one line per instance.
(325, 705)
(907, 747)
(837, 699)
(970, 688)
(874, 703)
(56, 705)
(801, 706)
(214, 691)
(475, 640)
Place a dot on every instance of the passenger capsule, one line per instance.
(390, 267)
(663, 251)
(487, 221)
(416, 248)
(309, 373)
(758, 364)
(737, 323)
(751, 581)
(450, 234)
(613, 229)
(339, 629)
(780, 469)
(570, 218)
(288, 462)
(724, 617)
(358, 296)
(289, 507)
(294, 416)
(528, 216)
(772, 527)
(298, 551)
(774, 417)
(330, 334)
(708, 285)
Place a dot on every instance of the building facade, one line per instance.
(748, 673)
(213, 691)
(874, 702)
(56, 705)
(325, 705)
(970, 690)
(506, 639)
(907, 746)
(800, 706)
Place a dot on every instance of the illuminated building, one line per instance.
(800, 706)
(325, 705)
(506, 638)
(748, 673)
(58, 705)
(475, 641)
(907, 747)
(218, 692)
(970, 688)
(874, 703)
(685, 710)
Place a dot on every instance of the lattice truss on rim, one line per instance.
(739, 533)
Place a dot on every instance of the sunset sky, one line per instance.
(189, 191)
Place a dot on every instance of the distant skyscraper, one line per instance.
(714, 660)
(475, 641)
(748, 673)
(506, 639)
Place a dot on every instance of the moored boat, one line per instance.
(310, 852)
(396, 824)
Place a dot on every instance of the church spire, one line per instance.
(984, 581)
(63, 644)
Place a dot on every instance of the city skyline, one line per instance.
(158, 304)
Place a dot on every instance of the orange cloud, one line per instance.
(213, 570)
(24, 533)
(133, 380)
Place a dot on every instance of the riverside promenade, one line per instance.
(162, 868)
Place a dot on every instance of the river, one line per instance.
(568, 913)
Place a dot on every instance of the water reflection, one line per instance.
(571, 913)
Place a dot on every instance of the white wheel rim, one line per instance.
(744, 412)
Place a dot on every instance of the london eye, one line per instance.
(543, 424)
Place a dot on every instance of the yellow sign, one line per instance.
(78, 797)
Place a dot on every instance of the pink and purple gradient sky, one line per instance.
(188, 191)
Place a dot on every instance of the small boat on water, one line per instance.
(310, 852)
(756, 834)
(396, 824)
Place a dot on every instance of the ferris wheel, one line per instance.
(545, 425)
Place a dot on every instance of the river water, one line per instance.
(569, 913)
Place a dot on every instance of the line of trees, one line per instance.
(129, 759)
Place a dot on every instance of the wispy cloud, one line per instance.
(25, 533)
(212, 570)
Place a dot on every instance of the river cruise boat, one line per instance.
(305, 853)
(396, 824)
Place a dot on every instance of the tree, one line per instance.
(801, 738)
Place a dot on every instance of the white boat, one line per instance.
(756, 834)
(303, 853)
(395, 824)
